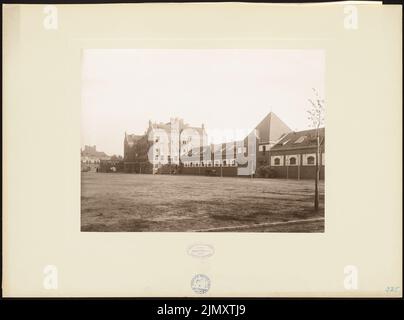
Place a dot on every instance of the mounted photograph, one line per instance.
(203, 140)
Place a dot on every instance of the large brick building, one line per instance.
(169, 140)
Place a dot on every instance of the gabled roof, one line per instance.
(271, 128)
(299, 139)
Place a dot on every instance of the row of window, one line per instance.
(289, 160)
(294, 160)
(216, 163)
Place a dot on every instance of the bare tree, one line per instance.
(316, 118)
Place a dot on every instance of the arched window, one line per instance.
(310, 160)
(224, 163)
(292, 161)
(191, 164)
(277, 161)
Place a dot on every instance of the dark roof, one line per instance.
(299, 139)
(271, 128)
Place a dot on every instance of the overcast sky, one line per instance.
(226, 89)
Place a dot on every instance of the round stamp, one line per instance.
(200, 283)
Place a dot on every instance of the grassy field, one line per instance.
(137, 202)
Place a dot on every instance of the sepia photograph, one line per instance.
(189, 151)
(212, 140)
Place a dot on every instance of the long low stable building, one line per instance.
(295, 155)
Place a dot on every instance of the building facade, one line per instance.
(176, 147)
(295, 155)
(163, 144)
(91, 158)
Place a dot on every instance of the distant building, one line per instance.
(270, 130)
(91, 158)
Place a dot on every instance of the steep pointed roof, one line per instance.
(271, 129)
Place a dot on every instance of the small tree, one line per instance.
(316, 118)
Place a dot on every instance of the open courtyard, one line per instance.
(118, 202)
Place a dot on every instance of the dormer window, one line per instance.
(301, 139)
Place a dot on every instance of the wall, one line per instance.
(208, 171)
(137, 167)
(292, 172)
